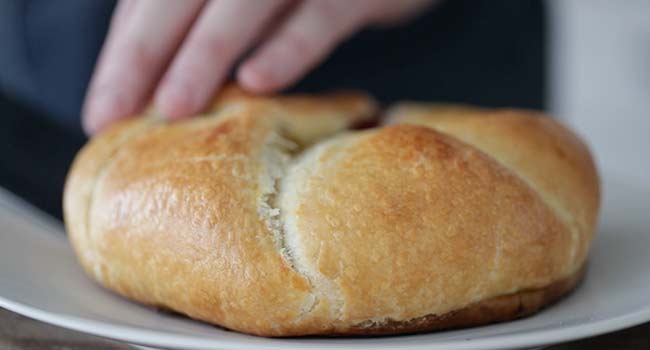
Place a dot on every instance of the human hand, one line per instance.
(181, 52)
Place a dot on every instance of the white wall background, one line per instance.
(600, 80)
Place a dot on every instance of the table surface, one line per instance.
(20, 333)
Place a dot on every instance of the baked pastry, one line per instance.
(274, 216)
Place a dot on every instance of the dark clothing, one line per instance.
(489, 53)
(47, 53)
(474, 51)
(35, 154)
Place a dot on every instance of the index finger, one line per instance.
(134, 58)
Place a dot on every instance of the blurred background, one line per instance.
(599, 60)
(587, 62)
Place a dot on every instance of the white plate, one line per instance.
(40, 278)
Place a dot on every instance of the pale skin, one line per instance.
(177, 54)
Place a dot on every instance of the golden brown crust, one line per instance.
(169, 207)
(265, 217)
(502, 308)
(82, 178)
(546, 155)
(404, 221)
(307, 117)
(498, 309)
(191, 216)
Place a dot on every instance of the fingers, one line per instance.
(301, 43)
(142, 39)
(121, 13)
(145, 36)
(224, 30)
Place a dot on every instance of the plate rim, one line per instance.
(135, 335)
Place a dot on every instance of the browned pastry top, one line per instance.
(268, 215)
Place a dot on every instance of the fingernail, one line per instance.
(175, 100)
(102, 107)
(255, 78)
